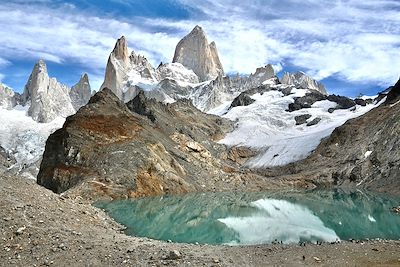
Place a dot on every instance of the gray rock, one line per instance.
(195, 53)
(47, 97)
(306, 101)
(314, 122)
(360, 101)
(301, 119)
(174, 255)
(242, 100)
(342, 101)
(8, 98)
(81, 92)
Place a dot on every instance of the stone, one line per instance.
(341, 101)
(242, 100)
(306, 101)
(20, 230)
(314, 122)
(360, 101)
(195, 53)
(110, 149)
(81, 92)
(301, 119)
(47, 97)
(174, 255)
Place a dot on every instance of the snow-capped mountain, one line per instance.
(281, 121)
(196, 73)
(29, 119)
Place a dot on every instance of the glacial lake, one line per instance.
(259, 218)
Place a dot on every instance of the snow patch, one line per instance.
(23, 137)
(367, 154)
(371, 219)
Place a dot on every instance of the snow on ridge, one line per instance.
(265, 125)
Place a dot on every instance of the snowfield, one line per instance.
(266, 126)
(23, 137)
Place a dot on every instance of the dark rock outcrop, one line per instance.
(394, 93)
(112, 150)
(301, 119)
(360, 101)
(306, 101)
(314, 122)
(342, 101)
(242, 100)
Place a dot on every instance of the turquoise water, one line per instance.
(259, 218)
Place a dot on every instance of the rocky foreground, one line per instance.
(41, 228)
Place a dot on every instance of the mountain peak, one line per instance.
(197, 30)
(40, 66)
(81, 92)
(120, 50)
(195, 53)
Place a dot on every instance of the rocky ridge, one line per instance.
(112, 150)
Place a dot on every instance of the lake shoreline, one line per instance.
(40, 228)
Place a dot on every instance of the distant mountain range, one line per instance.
(151, 121)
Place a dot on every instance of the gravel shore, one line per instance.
(40, 228)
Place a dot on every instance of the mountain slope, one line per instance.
(266, 123)
(362, 153)
(109, 149)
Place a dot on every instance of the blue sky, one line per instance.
(352, 46)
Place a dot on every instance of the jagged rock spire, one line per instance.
(81, 92)
(121, 65)
(195, 53)
(120, 50)
(48, 98)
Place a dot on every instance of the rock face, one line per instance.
(123, 71)
(8, 98)
(81, 92)
(301, 80)
(112, 150)
(261, 75)
(48, 98)
(195, 53)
